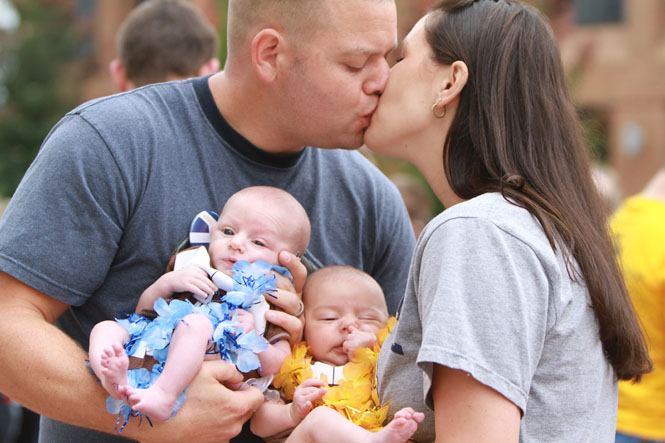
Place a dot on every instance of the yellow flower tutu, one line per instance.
(356, 396)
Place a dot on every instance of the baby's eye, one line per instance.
(329, 319)
(228, 231)
(259, 243)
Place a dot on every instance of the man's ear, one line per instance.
(266, 48)
(209, 67)
(119, 76)
(454, 79)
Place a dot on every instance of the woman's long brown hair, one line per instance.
(517, 132)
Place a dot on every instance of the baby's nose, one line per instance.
(237, 244)
(348, 322)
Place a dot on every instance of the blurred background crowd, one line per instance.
(55, 54)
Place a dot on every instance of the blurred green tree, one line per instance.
(36, 79)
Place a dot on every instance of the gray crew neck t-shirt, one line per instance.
(487, 295)
(119, 179)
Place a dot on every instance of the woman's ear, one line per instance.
(266, 47)
(454, 80)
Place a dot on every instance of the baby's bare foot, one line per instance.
(114, 364)
(153, 402)
(401, 428)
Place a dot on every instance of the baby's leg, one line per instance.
(108, 358)
(186, 352)
(324, 425)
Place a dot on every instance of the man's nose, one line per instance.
(376, 83)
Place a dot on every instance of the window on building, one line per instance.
(589, 12)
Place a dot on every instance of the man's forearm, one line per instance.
(44, 370)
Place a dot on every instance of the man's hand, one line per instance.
(288, 297)
(213, 412)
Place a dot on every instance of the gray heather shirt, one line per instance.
(487, 295)
(118, 181)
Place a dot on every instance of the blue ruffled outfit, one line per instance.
(152, 337)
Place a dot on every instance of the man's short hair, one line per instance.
(302, 16)
(165, 38)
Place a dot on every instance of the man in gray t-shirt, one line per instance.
(118, 180)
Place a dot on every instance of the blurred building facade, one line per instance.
(614, 53)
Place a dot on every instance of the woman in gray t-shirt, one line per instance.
(516, 324)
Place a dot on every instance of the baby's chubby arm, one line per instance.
(273, 418)
(188, 279)
(362, 337)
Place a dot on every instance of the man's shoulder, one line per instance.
(350, 166)
(138, 103)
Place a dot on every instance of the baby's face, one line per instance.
(248, 230)
(332, 307)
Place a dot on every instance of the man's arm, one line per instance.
(44, 370)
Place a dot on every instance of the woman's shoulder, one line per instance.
(491, 207)
(490, 212)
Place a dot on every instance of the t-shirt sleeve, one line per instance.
(483, 301)
(63, 225)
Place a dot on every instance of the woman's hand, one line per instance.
(288, 298)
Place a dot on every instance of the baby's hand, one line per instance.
(304, 397)
(189, 279)
(246, 320)
(362, 337)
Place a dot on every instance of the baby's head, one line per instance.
(256, 223)
(336, 297)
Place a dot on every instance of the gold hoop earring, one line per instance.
(434, 111)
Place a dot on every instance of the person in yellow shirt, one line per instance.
(638, 227)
